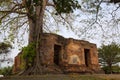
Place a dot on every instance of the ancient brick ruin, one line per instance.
(67, 55)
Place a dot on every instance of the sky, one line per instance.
(104, 32)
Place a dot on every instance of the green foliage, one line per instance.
(66, 6)
(4, 47)
(23, 65)
(6, 71)
(29, 3)
(3, 2)
(109, 54)
(37, 2)
(106, 69)
(28, 54)
(115, 69)
(61, 6)
(5, 5)
(115, 1)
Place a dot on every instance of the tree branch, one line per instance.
(66, 22)
(9, 11)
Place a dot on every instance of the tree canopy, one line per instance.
(13, 16)
(109, 55)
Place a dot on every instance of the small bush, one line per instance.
(115, 69)
(28, 55)
(6, 71)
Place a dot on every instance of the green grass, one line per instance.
(64, 77)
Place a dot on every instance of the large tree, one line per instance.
(109, 55)
(34, 11)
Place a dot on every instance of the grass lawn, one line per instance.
(65, 77)
(109, 76)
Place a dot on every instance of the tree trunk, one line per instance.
(110, 67)
(35, 36)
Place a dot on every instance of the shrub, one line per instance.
(28, 55)
(115, 69)
(6, 71)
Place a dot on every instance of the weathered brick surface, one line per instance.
(69, 55)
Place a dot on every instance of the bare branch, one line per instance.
(14, 18)
(3, 17)
(98, 7)
(52, 17)
(9, 11)
(46, 28)
(25, 22)
(66, 22)
(116, 9)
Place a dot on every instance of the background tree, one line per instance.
(5, 48)
(109, 55)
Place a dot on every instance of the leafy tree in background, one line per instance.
(115, 69)
(16, 13)
(109, 55)
(5, 48)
